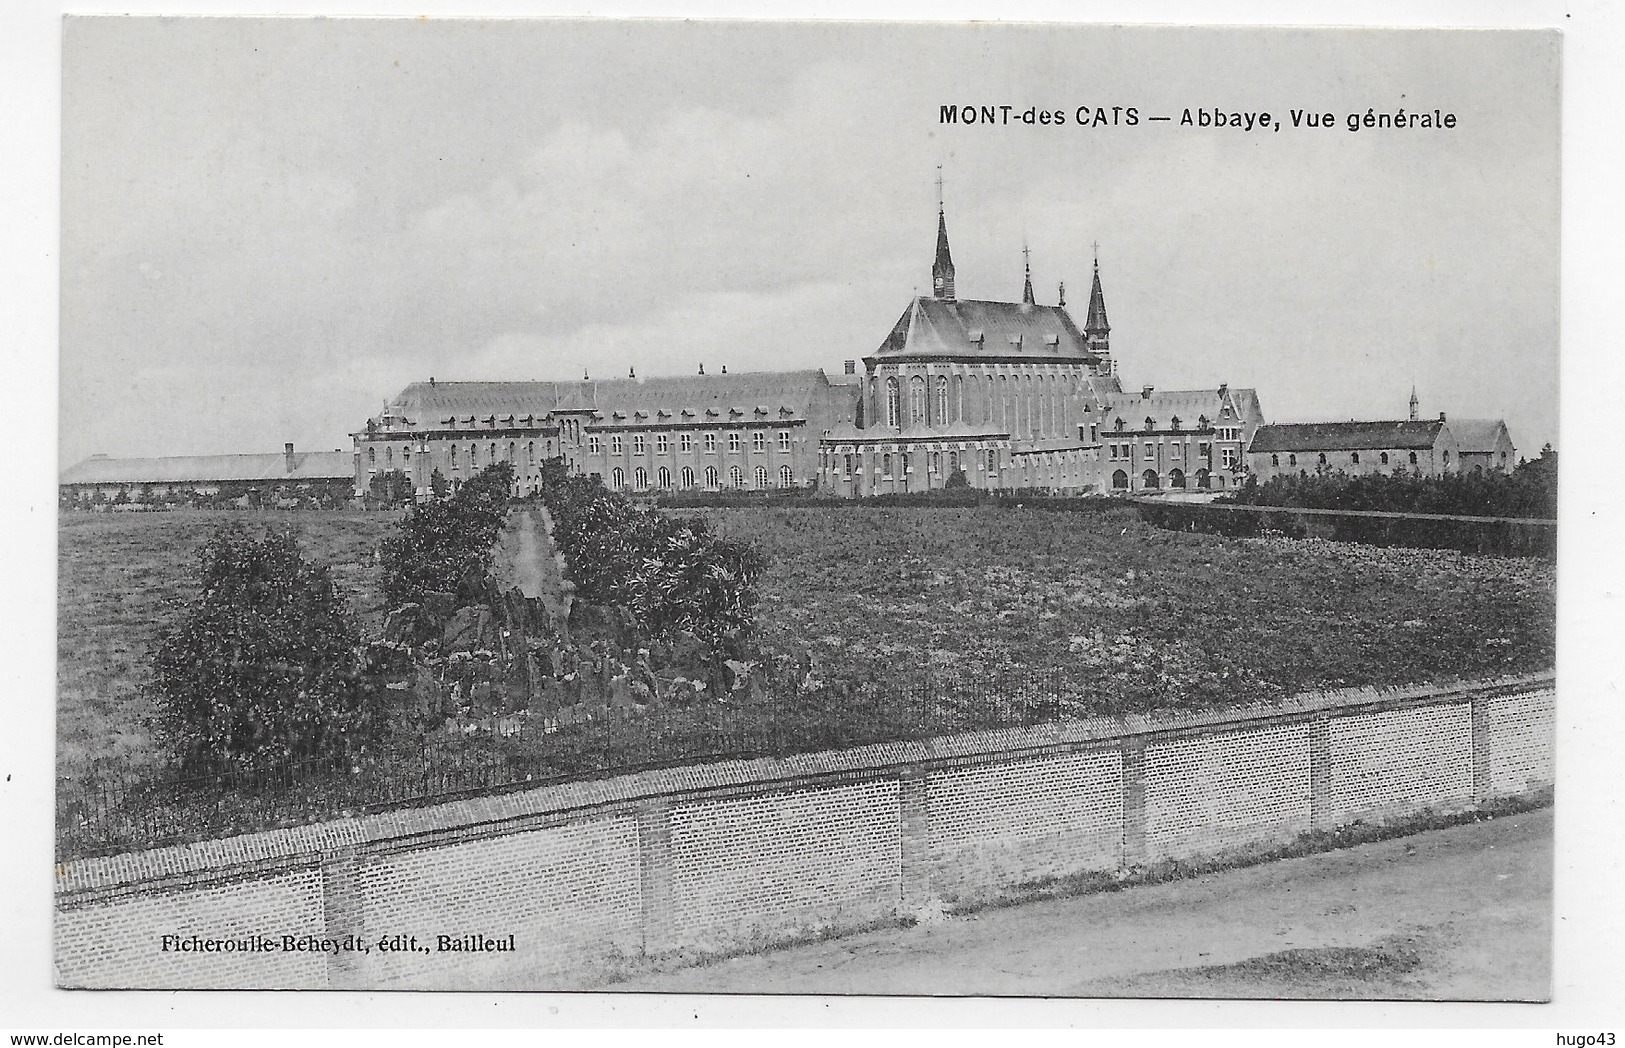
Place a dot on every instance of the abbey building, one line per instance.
(1010, 395)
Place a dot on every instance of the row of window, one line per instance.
(687, 476)
(1125, 452)
(1176, 479)
(685, 443)
(473, 456)
(984, 460)
(1354, 459)
(1043, 412)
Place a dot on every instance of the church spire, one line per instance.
(1027, 270)
(1096, 330)
(942, 270)
(1415, 404)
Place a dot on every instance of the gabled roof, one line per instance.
(973, 328)
(759, 395)
(1346, 436)
(200, 469)
(1481, 435)
(1189, 405)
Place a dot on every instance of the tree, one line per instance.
(439, 487)
(957, 479)
(390, 488)
(264, 662)
(445, 546)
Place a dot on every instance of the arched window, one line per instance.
(711, 478)
(786, 478)
(665, 478)
(512, 452)
(736, 477)
(894, 405)
(885, 465)
(1176, 478)
(1354, 457)
(916, 401)
(1447, 456)
(493, 452)
(530, 452)
(389, 458)
(936, 462)
(688, 476)
(953, 462)
(1383, 458)
(1203, 479)
(619, 478)
(640, 478)
(1275, 460)
(1292, 460)
(942, 399)
(1413, 458)
(761, 476)
(1119, 480)
(1149, 478)
(1322, 459)
(372, 456)
(473, 455)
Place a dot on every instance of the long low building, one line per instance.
(140, 480)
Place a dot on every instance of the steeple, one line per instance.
(1415, 404)
(942, 270)
(1097, 332)
(1027, 269)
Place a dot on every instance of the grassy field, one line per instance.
(120, 577)
(1146, 617)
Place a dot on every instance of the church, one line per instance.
(1013, 396)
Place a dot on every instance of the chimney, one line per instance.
(1224, 387)
(724, 369)
(702, 369)
(849, 367)
(431, 381)
(287, 456)
(1441, 416)
(1145, 392)
(631, 372)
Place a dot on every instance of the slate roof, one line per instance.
(933, 327)
(1481, 435)
(198, 469)
(625, 401)
(1188, 404)
(1346, 436)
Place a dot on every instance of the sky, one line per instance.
(272, 226)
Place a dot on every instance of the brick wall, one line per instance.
(579, 877)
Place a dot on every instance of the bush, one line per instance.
(673, 574)
(445, 546)
(390, 488)
(264, 662)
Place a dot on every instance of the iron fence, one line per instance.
(472, 756)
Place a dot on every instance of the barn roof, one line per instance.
(1346, 436)
(198, 469)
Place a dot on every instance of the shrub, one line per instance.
(264, 662)
(446, 545)
(390, 488)
(673, 574)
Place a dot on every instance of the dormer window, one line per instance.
(1121, 425)
(1174, 422)
(975, 336)
(1201, 423)
(1150, 423)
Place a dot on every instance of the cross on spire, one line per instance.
(1027, 274)
(939, 189)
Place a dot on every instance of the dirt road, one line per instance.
(1462, 914)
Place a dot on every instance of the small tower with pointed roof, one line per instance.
(942, 270)
(1415, 404)
(1096, 331)
(1027, 274)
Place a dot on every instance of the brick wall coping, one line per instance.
(305, 845)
